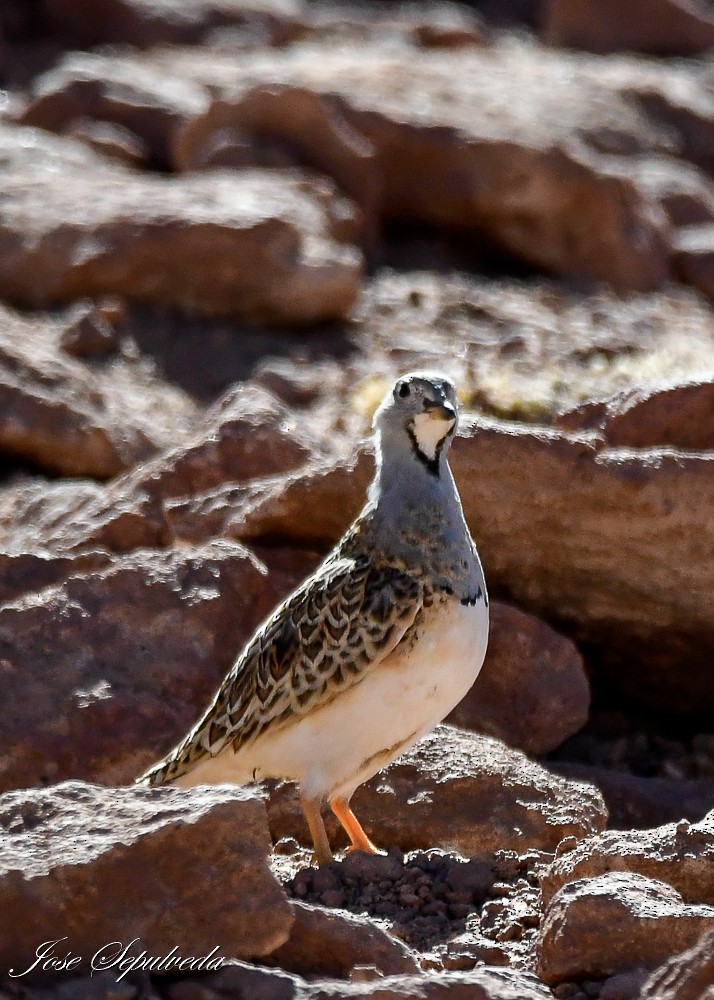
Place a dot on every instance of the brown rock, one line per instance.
(458, 791)
(685, 192)
(598, 926)
(331, 943)
(282, 125)
(479, 984)
(88, 88)
(245, 435)
(107, 229)
(134, 647)
(92, 864)
(681, 854)
(681, 416)
(532, 691)
(689, 976)
(73, 419)
(236, 979)
(694, 256)
(453, 118)
(636, 801)
(89, 332)
(111, 140)
(146, 23)
(658, 27)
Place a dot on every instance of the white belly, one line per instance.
(338, 746)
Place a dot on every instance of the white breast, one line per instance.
(335, 748)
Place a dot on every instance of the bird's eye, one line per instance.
(403, 389)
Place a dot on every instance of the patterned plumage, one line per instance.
(403, 588)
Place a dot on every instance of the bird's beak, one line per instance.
(439, 410)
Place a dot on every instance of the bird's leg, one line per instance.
(359, 839)
(311, 808)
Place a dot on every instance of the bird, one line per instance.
(372, 651)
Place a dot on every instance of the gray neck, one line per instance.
(415, 516)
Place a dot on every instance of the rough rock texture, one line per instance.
(681, 416)
(637, 801)
(680, 854)
(609, 538)
(145, 23)
(331, 944)
(689, 976)
(239, 980)
(73, 418)
(245, 435)
(595, 927)
(77, 859)
(480, 984)
(459, 791)
(278, 237)
(694, 256)
(135, 648)
(403, 118)
(532, 691)
(87, 86)
(660, 27)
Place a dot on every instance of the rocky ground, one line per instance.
(225, 226)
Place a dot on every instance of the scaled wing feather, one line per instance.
(336, 628)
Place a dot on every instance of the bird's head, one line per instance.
(419, 413)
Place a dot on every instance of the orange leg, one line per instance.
(359, 839)
(311, 808)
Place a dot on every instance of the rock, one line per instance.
(146, 23)
(694, 256)
(684, 192)
(111, 140)
(330, 944)
(658, 27)
(107, 229)
(399, 115)
(610, 540)
(479, 984)
(636, 801)
(599, 926)
(424, 899)
(532, 691)
(681, 854)
(688, 976)
(134, 647)
(624, 985)
(73, 419)
(90, 332)
(681, 416)
(77, 860)
(245, 435)
(236, 979)
(458, 791)
(442, 25)
(88, 87)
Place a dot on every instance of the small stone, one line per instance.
(625, 985)
(333, 897)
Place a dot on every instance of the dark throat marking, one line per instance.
(431, 464)
(472, 598)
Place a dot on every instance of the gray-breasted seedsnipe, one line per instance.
(373, 650)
